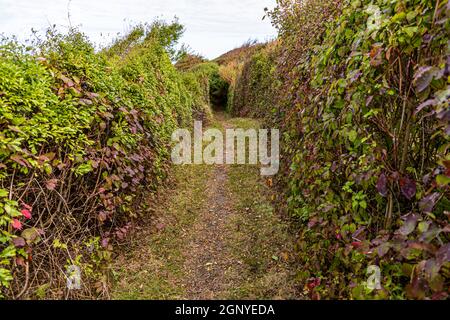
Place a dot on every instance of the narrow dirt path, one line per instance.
(208, 258)
(211, 234)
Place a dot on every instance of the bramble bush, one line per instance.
(84, 136)
(360, 90)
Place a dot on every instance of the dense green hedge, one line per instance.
(83, 136)
(361, 95)
(199, 81)
(255, 91)
(210, 86)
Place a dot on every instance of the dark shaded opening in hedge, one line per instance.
(218, 92)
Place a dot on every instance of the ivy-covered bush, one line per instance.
(198, 79)
(362, 99)
(83, 137)
(255, 89)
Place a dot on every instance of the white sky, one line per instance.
(213, 27)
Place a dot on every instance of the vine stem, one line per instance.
(27, 277)
(389, 210)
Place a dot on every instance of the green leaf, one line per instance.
(398, 17)
(32, 235)
(83, 169)
(411, 16)
(352, 135)
(363, 204)
(5, 277)
(3, 193)
(59, 245)
(8, 252)
(423, 226)
(410, 31)
(442, 180)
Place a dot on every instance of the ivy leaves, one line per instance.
(365, 109)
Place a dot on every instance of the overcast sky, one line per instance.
(212, 26)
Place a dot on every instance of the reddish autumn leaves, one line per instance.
(26, 213)
(16, 224)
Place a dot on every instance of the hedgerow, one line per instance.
(84, 136)
(210, 85)
(256, 85)
(198, 79)
(230, 67)
(361, 95)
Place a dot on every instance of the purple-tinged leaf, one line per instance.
(19, 242)
(383, 249)
(416, 289)
(92, 95)
(20, 160)
(443, 255)
(440, 296)
(102, 216)
(432, 268)
(382, 185)
(409, 225)
(428, 103)
(160, 226)
(427, 204)
(67, 81)
(444, 115)
(355, 75)
(431, 234)
(422, 247)
(358, 233)
(105, 242)
(424, 76)
(312, 223)
(408, 187)
(51, 184)
(395, 176)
